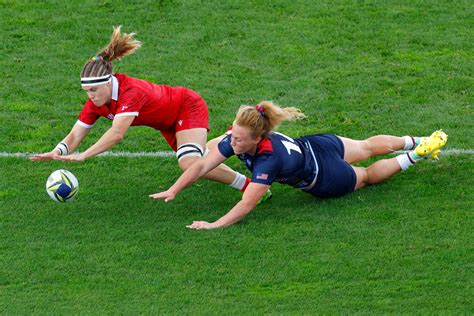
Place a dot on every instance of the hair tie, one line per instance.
(97, 58)
(260, 109)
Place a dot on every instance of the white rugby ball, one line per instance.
(62, 186)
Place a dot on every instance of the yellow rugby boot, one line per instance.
(432, 145)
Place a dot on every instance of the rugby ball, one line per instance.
(62, 186)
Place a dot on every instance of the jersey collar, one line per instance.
(115, 87)
(264, 146)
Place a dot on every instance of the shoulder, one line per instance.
(265, 146)
(127, 83)
(225, 147)
(267, 152)
(133, 88)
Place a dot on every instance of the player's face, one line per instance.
(100, 94)
(242, 141)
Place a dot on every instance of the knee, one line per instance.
(363, 149)
(362, 177)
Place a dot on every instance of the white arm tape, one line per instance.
(63, 148)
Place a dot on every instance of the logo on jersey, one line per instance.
(124, 107)
(180, 122)
(110, 116)
(262, 176)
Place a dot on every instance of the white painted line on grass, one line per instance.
(159, 154)
(168, 154)
(156, 154)
(447, 152)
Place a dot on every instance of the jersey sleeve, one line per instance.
(266, 168)
(131, 102)
(224, 146)
(88, 115)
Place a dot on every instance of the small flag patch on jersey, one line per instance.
(262, 176)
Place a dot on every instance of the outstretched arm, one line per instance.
(73, 139)
(250, 198)
(111, 137)
(201, 167)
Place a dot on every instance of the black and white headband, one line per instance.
(95, 81)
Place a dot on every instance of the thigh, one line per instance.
(192, 135)
(354, 150)
(178, 138)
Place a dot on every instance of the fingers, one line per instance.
(197, 225)
(156, 195)
(162, 195)
(36, 158)
(42, 157)
(193, 226)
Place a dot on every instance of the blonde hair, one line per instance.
(120, 45)
(265, 117)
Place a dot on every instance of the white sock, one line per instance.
(239, 181)
(410, 143)
(405, 161)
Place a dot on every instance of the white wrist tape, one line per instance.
(63, 148)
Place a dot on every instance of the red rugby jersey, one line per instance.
(152, 105)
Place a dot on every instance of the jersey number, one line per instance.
(289, 145)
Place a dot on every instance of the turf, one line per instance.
(356, 68)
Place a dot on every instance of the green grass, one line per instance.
(356, 68)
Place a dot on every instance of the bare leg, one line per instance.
(376, 172)
(221, 173)
(358, 150)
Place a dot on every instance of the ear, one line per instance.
(257, 140)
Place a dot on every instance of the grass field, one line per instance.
(356, 68)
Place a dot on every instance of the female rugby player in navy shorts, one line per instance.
(180, 114)
(318, 164)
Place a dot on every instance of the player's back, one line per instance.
(296, 164)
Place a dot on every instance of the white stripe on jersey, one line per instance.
(126, 114)
(80, 123)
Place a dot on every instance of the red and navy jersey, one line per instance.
(152, 105)
(278, 158)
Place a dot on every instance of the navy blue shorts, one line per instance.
(336, 177)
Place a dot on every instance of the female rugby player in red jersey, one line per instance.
(317, 164)
(180, 114)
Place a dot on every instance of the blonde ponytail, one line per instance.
(265, 117)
